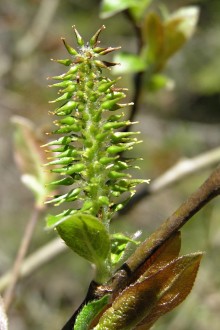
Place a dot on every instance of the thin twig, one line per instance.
(36, 32)
(29, 230)
(35, 260)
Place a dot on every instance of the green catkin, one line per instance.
(88, 154)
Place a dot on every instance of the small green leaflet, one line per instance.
(89, 312)
(119, 243)
(86, 236)
(112, 7)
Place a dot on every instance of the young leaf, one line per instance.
(89, 312)
(129, 63)
(86, 236)
(166, 37)
(119, 243)
(153, 32)
(166, 253)
(30, 159)
(153, 296)
(178, 288)
(110, 8)
(179, 28)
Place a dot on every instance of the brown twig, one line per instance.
(37, 259)
(29, 230)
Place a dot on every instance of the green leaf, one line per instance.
(30, 158)
(179, 28)
(110, 7)
(119, 243)
(89, 312)
(165, 38)
(129, 63)
(153, 31)
(88, 237)
(139, 7)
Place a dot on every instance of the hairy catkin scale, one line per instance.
(87, 154)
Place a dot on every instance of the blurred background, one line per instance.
(176, 123)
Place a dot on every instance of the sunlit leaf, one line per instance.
(112, 7)
(89, 312)
(119, 243)
(129, 63)
(139, 7)
(30, 158)
(179, 27)
(87, 236)
(166, 37)
(153, 31)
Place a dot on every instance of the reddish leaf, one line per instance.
(149, 298)
(167, 252)
(182, 276)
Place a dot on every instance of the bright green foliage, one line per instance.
(119, 243)
(136, 7)
(88, 237)
(166, 36)
(89, 312)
